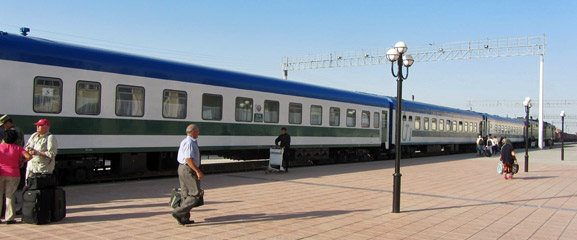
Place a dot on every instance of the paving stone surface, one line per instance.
(445, 197)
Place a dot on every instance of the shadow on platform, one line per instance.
(513, 203)
(109, 217)
(263, 217)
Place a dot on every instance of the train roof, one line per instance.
(504, 118)
(46, 52)
(427, 108)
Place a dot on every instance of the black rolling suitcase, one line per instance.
(59, 205)
(37, 206)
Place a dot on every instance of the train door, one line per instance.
(385, 129)
(484, 127)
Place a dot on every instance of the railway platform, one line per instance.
(444, 197)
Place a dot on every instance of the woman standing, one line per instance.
(10, 164)
(508, 158)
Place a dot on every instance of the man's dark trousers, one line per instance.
(190, 190)
(286, 158)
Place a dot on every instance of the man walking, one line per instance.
(189, 175)
(285, 142)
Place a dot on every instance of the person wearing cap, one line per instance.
(7, 124)
(43, 147)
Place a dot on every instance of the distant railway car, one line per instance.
(118, 115)
(429, 128)
(548, 132)
(501, 126)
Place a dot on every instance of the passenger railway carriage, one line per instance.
(131, 111)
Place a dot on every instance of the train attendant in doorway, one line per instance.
(285, 142)
(10, 164)
(189, 175)
(43, 147)
(508, 158)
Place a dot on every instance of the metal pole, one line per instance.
(541, 140)
(527, 139)
(397, 175)
(562, 138)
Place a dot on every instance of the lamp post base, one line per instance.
(397, 192)
(526, 163)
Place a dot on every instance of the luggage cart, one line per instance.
(275, 161)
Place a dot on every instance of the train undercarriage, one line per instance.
(91, 168)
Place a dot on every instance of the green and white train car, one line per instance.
(131, 111)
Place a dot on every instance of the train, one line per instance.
(549, 135)
(119, 115)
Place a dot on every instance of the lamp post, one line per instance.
(527, 103)
(562, 139)
(396, 54)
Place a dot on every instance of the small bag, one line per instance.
(500, 168)
(515, 168)
(200, 201)
(175, 198)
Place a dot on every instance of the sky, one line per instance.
(253, 36)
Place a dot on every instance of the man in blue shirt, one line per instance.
(189, 175)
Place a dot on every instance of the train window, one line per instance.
(129, 101)
(385, 121)
(426, 123)
(460, 126)
(47, 95)
(410, 118)
(243, 109)
(376, 120)
(351, 117)
(87, 98)
(434, 124)
(211, 107)
(271, 109)
(466, 127)
(174, 104)
(441, 125)
(448, 125)
(316, 115)
(335, 116)
(365, 119)
(475, 129)
(417, 123)
(295, 113)
(454, 126)
(404, 118)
